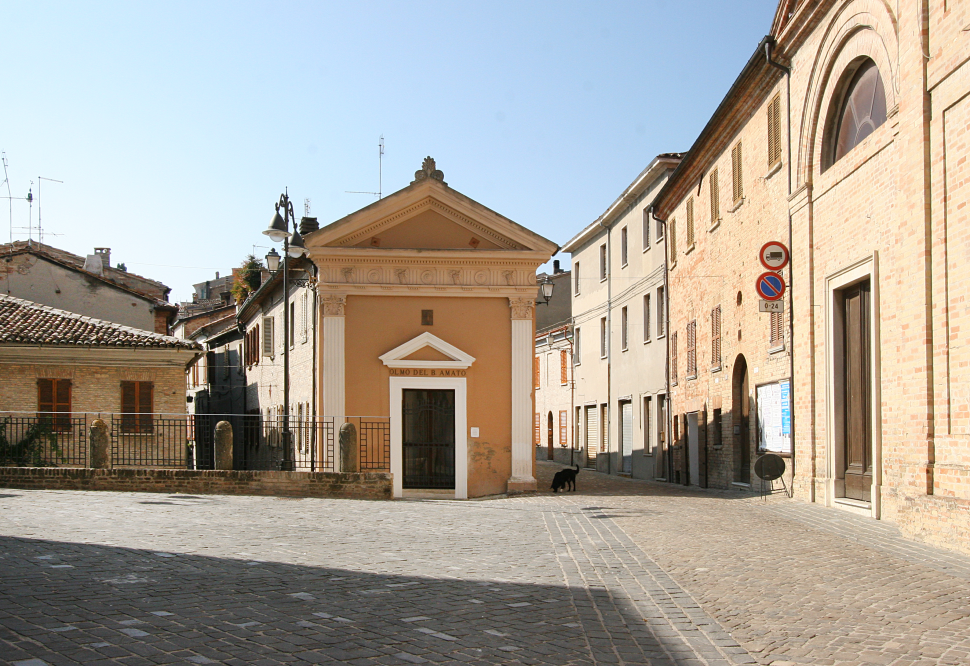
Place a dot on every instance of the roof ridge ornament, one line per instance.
(428, 170)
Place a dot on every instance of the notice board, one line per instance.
(774, 417)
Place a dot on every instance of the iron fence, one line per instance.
(55, 439)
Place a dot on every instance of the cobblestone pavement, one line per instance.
(620, 572)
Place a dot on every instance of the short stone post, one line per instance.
(223, 445)
(100, 445)
(349, 455)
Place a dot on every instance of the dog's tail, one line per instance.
(577, 468)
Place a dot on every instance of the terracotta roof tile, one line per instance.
(25, 322)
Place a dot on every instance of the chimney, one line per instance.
(105, 253)
(308, 225)
(92, 264)
(555, 267)
(217, 275)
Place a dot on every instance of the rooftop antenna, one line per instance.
(6, 181)
(380, 173)
(306, 207)
(40, 230)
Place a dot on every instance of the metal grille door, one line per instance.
(429, 438)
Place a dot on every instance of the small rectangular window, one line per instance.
(715, 197)
(578, 347)
(292, 325)
(660, 312)
(623, 246)
(603, 262)
(690, 222)
(692, 349)
(427, 317)
(646, 228)
(576, 277)
(777, 335)
(737, 190)
(646, 318)
(716, 429)
(624, 338)
(603, 339)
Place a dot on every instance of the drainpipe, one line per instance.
(769, 42)
(668, 417)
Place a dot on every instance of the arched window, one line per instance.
(861, 111)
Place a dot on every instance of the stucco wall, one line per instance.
(479, 326)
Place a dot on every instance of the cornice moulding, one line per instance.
(95, 356)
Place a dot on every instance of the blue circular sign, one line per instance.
(770, 286)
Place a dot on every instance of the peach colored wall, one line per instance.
(481, 327)
(429, 230)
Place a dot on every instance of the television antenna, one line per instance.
(380, 172)
(6, 181)
(40, 230)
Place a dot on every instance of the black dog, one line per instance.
(563, 478)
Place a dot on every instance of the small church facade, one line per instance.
(426, 317)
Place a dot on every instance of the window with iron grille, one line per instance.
(563, 425)
(774, 130)
(54, 402)
(602, 262)
(624, 337)
(673, 358)
(563, 370)
(660, 312)
(535, 372)
(777, 336)
(692, 349)
(603, 337)
(690, 222)
(646, 228)
(623, 247)
(716, 338)
(646, 318)
(136, 407)
(737, 191)
(537, 429)
(715, 197)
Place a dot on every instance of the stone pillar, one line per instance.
(223, 445)
(349, 452)
(333, 362)
(100, 445)
(523, 349)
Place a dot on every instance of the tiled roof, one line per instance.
(25, 322)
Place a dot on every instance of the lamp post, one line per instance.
(545, 291)
(279, 230)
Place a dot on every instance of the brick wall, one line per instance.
(289, 484)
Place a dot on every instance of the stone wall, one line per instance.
(368, 485)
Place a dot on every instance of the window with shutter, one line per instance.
(715, 197)
(563, 425)
(623, 246)
(690, 223)
(602, 262)
(692, 349)
(136, 407)
(774, 130)
(54, 402)
(646, 318)
(603, 337)
(673, 358)
(673, 241)
(578, 347)
(624, 337)
(737, 190)
(646, 228)
(716, 338)
(661, 320)
(576, 277)
(268, 336)
(537, 429)
(563, 370)
(535, 372)
(777, 335)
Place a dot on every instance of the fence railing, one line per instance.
(187, 441)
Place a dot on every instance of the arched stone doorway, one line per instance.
(740, 420)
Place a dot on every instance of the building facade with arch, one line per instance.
(844, 138)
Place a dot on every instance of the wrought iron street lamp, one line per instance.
(545, 291)
(279, 230)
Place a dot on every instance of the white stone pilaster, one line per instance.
(523, 348)
(334, 378)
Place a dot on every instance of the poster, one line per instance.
(774, 417)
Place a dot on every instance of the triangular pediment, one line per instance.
(427, 215)
(427, 351)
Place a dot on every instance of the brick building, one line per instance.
(844, 138)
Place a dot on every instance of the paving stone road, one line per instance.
(620, 572)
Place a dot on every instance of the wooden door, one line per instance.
(429, 438)
(857, 388)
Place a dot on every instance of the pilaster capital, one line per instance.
(522, 308)
(333, 305)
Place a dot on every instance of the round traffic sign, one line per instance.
(774, 255)
(770, 286)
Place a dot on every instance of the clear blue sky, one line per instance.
(176, 126)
